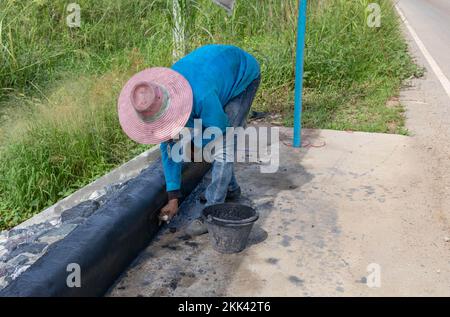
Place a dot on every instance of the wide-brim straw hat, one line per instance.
(155, 105)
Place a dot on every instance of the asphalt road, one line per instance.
(431, 21)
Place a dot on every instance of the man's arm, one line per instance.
(172, 169)
(172, 174)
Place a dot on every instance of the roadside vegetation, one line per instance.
(58, 85)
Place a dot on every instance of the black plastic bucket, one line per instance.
(229, 226)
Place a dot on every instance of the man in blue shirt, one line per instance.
(223, 80)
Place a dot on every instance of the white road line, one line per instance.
(434, 65)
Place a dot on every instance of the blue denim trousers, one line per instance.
(222, 174)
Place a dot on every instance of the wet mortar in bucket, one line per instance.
(229, 226)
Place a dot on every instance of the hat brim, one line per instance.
(171, 122)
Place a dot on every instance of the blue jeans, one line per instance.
(222, 174)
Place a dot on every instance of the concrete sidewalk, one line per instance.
(326, 215)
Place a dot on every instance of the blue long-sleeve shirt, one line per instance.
(217, 74)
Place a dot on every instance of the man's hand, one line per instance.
(169, 211)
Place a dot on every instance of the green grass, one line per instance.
(353, 70)
(67, 142)
(58, 86)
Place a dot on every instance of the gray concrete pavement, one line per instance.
(326, 215)
(426, 101)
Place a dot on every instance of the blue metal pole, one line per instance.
(301, 30)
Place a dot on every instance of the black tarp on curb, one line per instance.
(107, 242)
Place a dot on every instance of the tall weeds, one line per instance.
(59, 85)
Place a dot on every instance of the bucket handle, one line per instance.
(233, 223)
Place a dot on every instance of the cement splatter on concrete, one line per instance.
(296, 280)
(272, 261)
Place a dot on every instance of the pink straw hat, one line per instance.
(155, 105)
